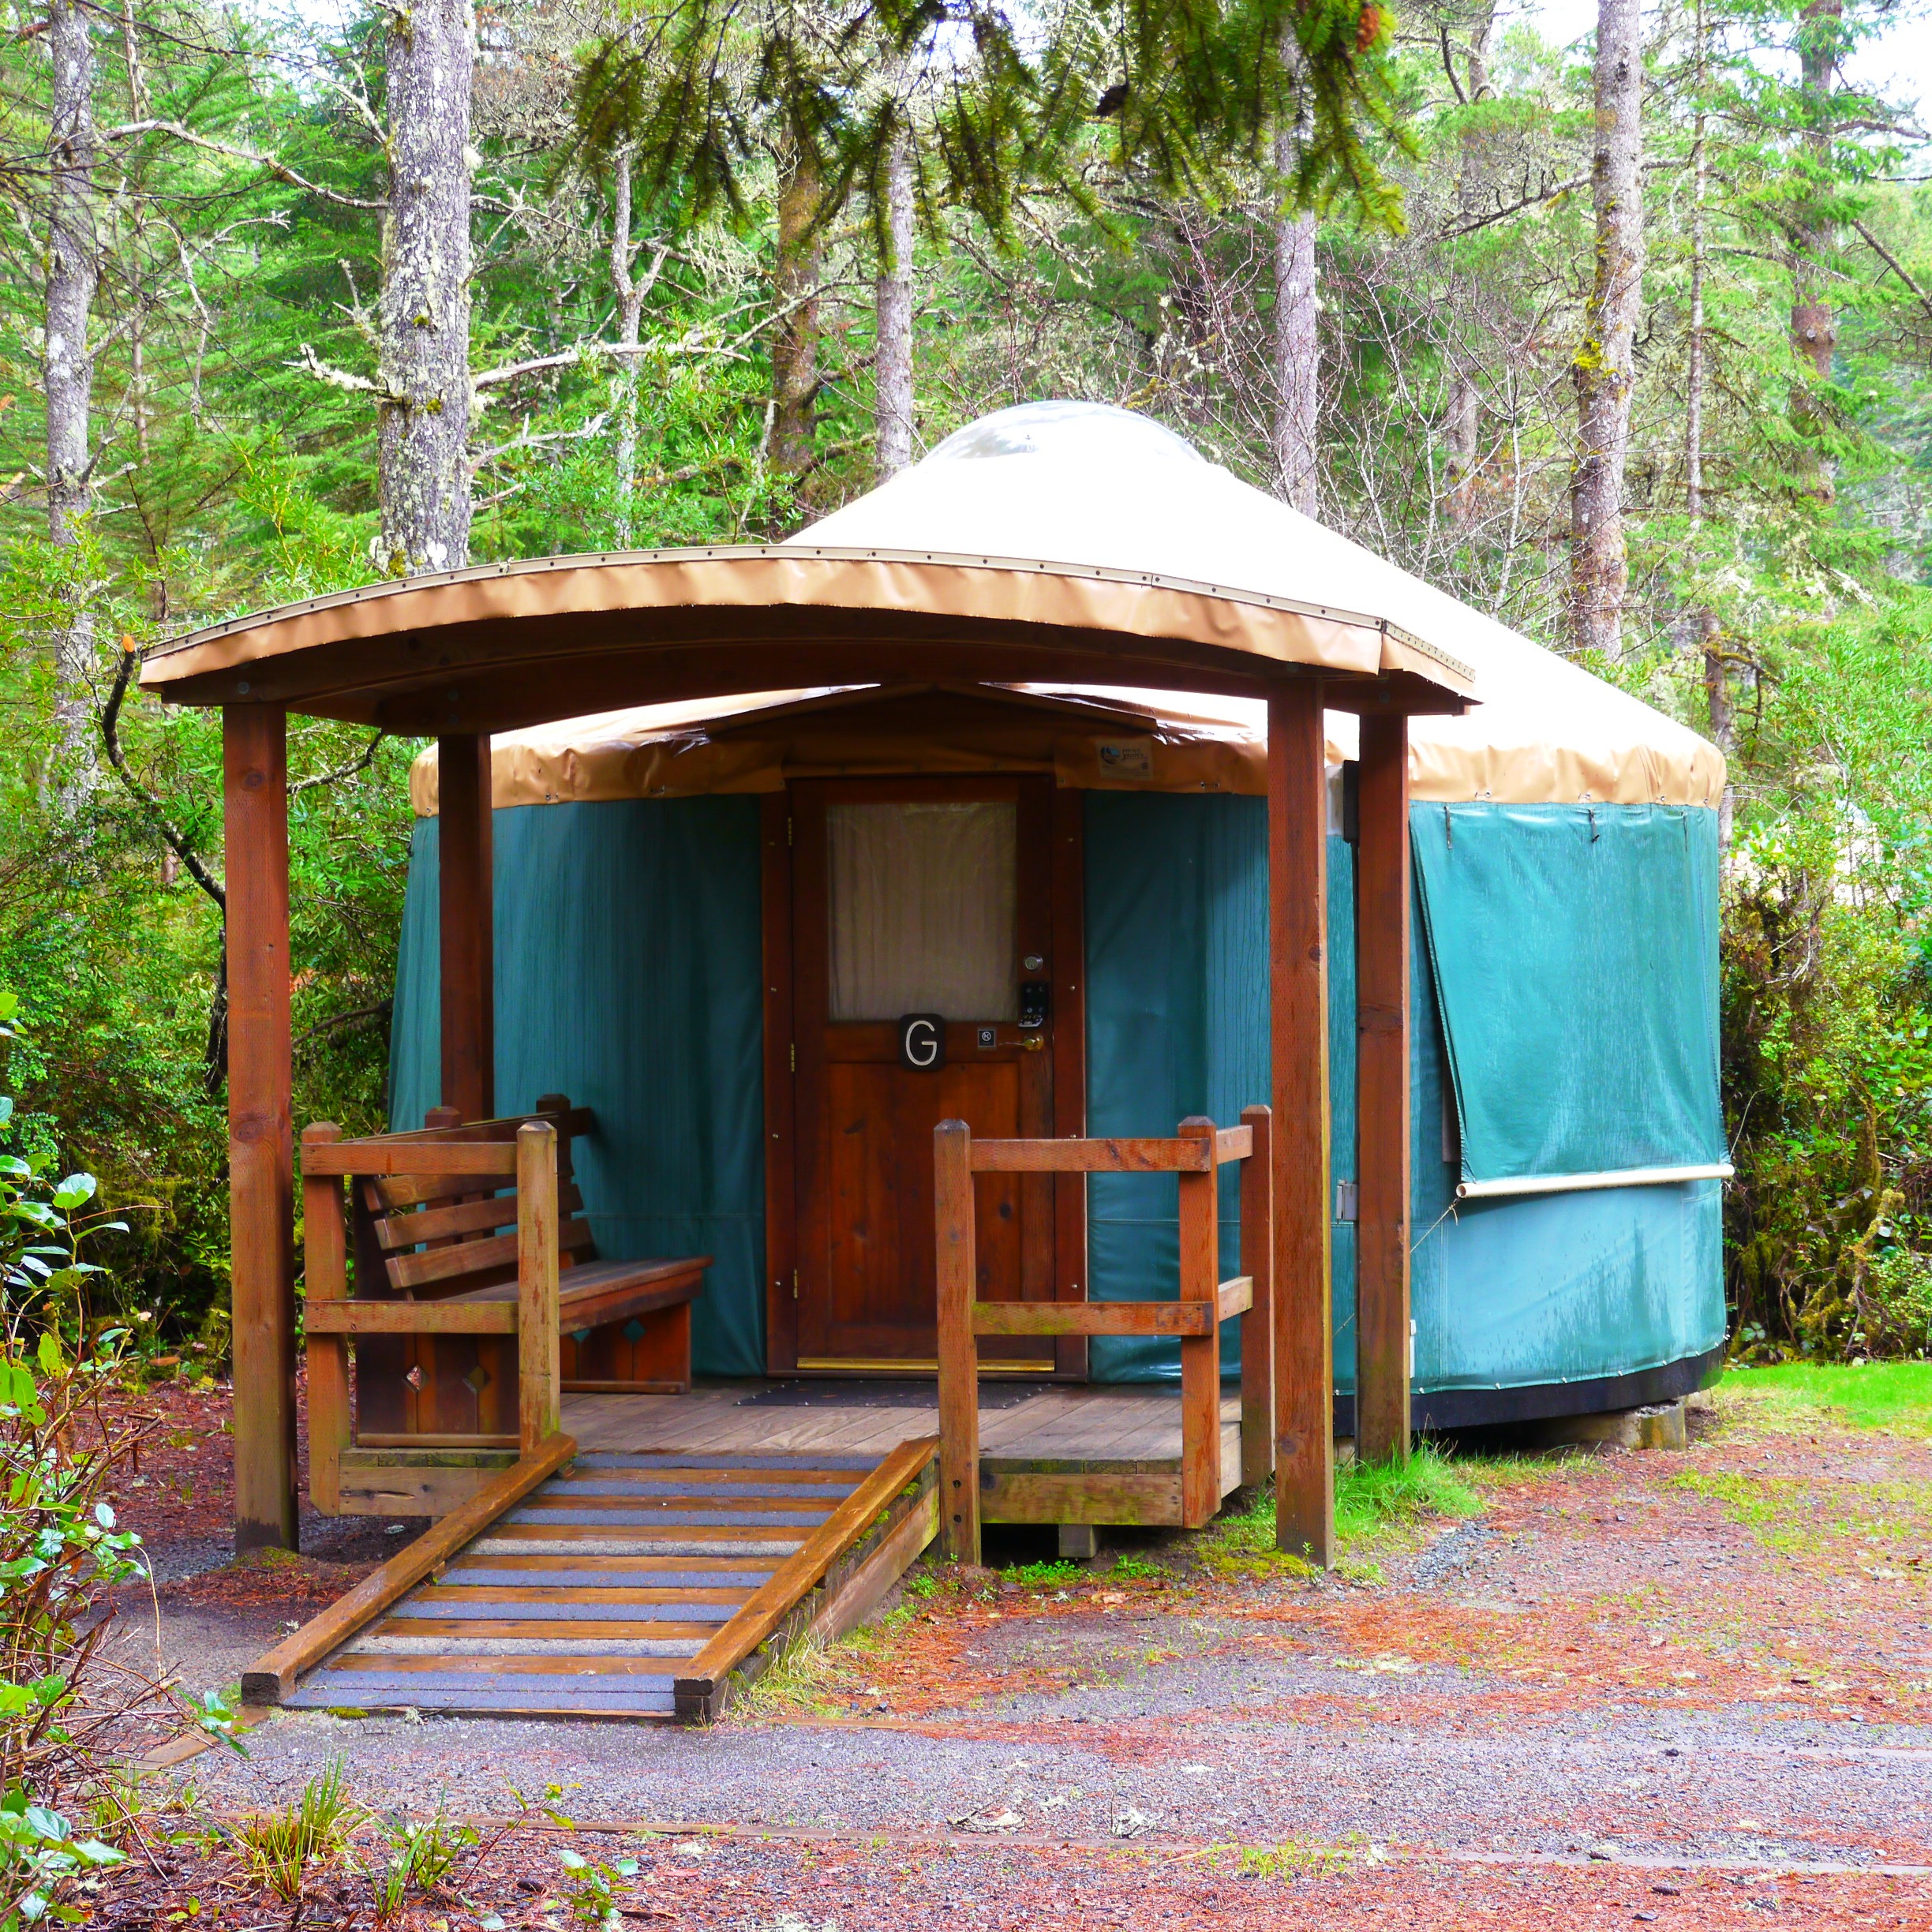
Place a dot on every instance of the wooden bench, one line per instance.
(469, 1239)
(440, 1237)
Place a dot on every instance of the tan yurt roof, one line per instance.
(1083, 485)
(502, 646)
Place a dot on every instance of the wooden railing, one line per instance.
(493, 1153)
(1196, 1154)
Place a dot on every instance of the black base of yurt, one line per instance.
(1444, 1410)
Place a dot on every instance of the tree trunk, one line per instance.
(1298, 368)
(1602, 371)
(1297, 360)
(1723, 727)
(1694, 370)
(631, 290)
(794, 344)
(73, 276)
(1710, 632)
(424, 426)
(892, 433)
(1463, 420)
(1814, 326)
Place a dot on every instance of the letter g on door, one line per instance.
(922, 1042)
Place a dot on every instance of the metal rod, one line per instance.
(1576, 1184)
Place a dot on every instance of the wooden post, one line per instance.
(260, 1135)
(1382, 1405)
(540, 1369)
(1200, 1355)
(1298, 1022)
(466, 904)
(325, 1277)
(1257, 1328)
(958, 1367)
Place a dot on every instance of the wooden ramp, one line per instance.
(616, 1585)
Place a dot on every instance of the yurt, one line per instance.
(714, 919)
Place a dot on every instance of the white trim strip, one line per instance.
(1567, 1184)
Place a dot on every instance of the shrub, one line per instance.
(64, 1435)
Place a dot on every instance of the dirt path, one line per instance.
(1694, 1689)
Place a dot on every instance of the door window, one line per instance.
(921, 904)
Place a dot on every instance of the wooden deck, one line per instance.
(1049, 1454)
(1126, 1438)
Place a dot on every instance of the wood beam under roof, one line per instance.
(509, 646)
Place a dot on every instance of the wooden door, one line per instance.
(916, 896)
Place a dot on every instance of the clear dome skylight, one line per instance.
(1094, 431)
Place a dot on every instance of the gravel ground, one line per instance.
(1692, 1688)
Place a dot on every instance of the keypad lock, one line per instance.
(1033, 1000)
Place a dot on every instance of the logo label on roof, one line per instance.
(1125, 758)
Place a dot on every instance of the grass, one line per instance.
(278, 1850)
(1378, 1506)
(425, 1855)
(1893, 1397)
(798, 1682)
(1297, 1857)
(1373, 1498)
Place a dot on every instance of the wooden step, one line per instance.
(591, 1600)
(514, 1570)
(455, 1634)
(578, 1540)
(772, 1512)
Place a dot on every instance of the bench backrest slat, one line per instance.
(488, 1216)
(487, 1254)
(451, 1233)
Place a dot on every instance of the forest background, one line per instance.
(1673, 420)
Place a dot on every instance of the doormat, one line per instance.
(887, 1393)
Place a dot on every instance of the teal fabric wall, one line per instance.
(627, 976)
(1575, 950)
(1550, 1288)
(1506, 1294)
(1177, 1023)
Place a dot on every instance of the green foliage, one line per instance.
(64, 1436)
(1175, 94)
(60, 1546)
(1046, 1575)
(1301, 1858)
(1827, 1000)
(38, 1853)
(798, 1681)
(590, 1886)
